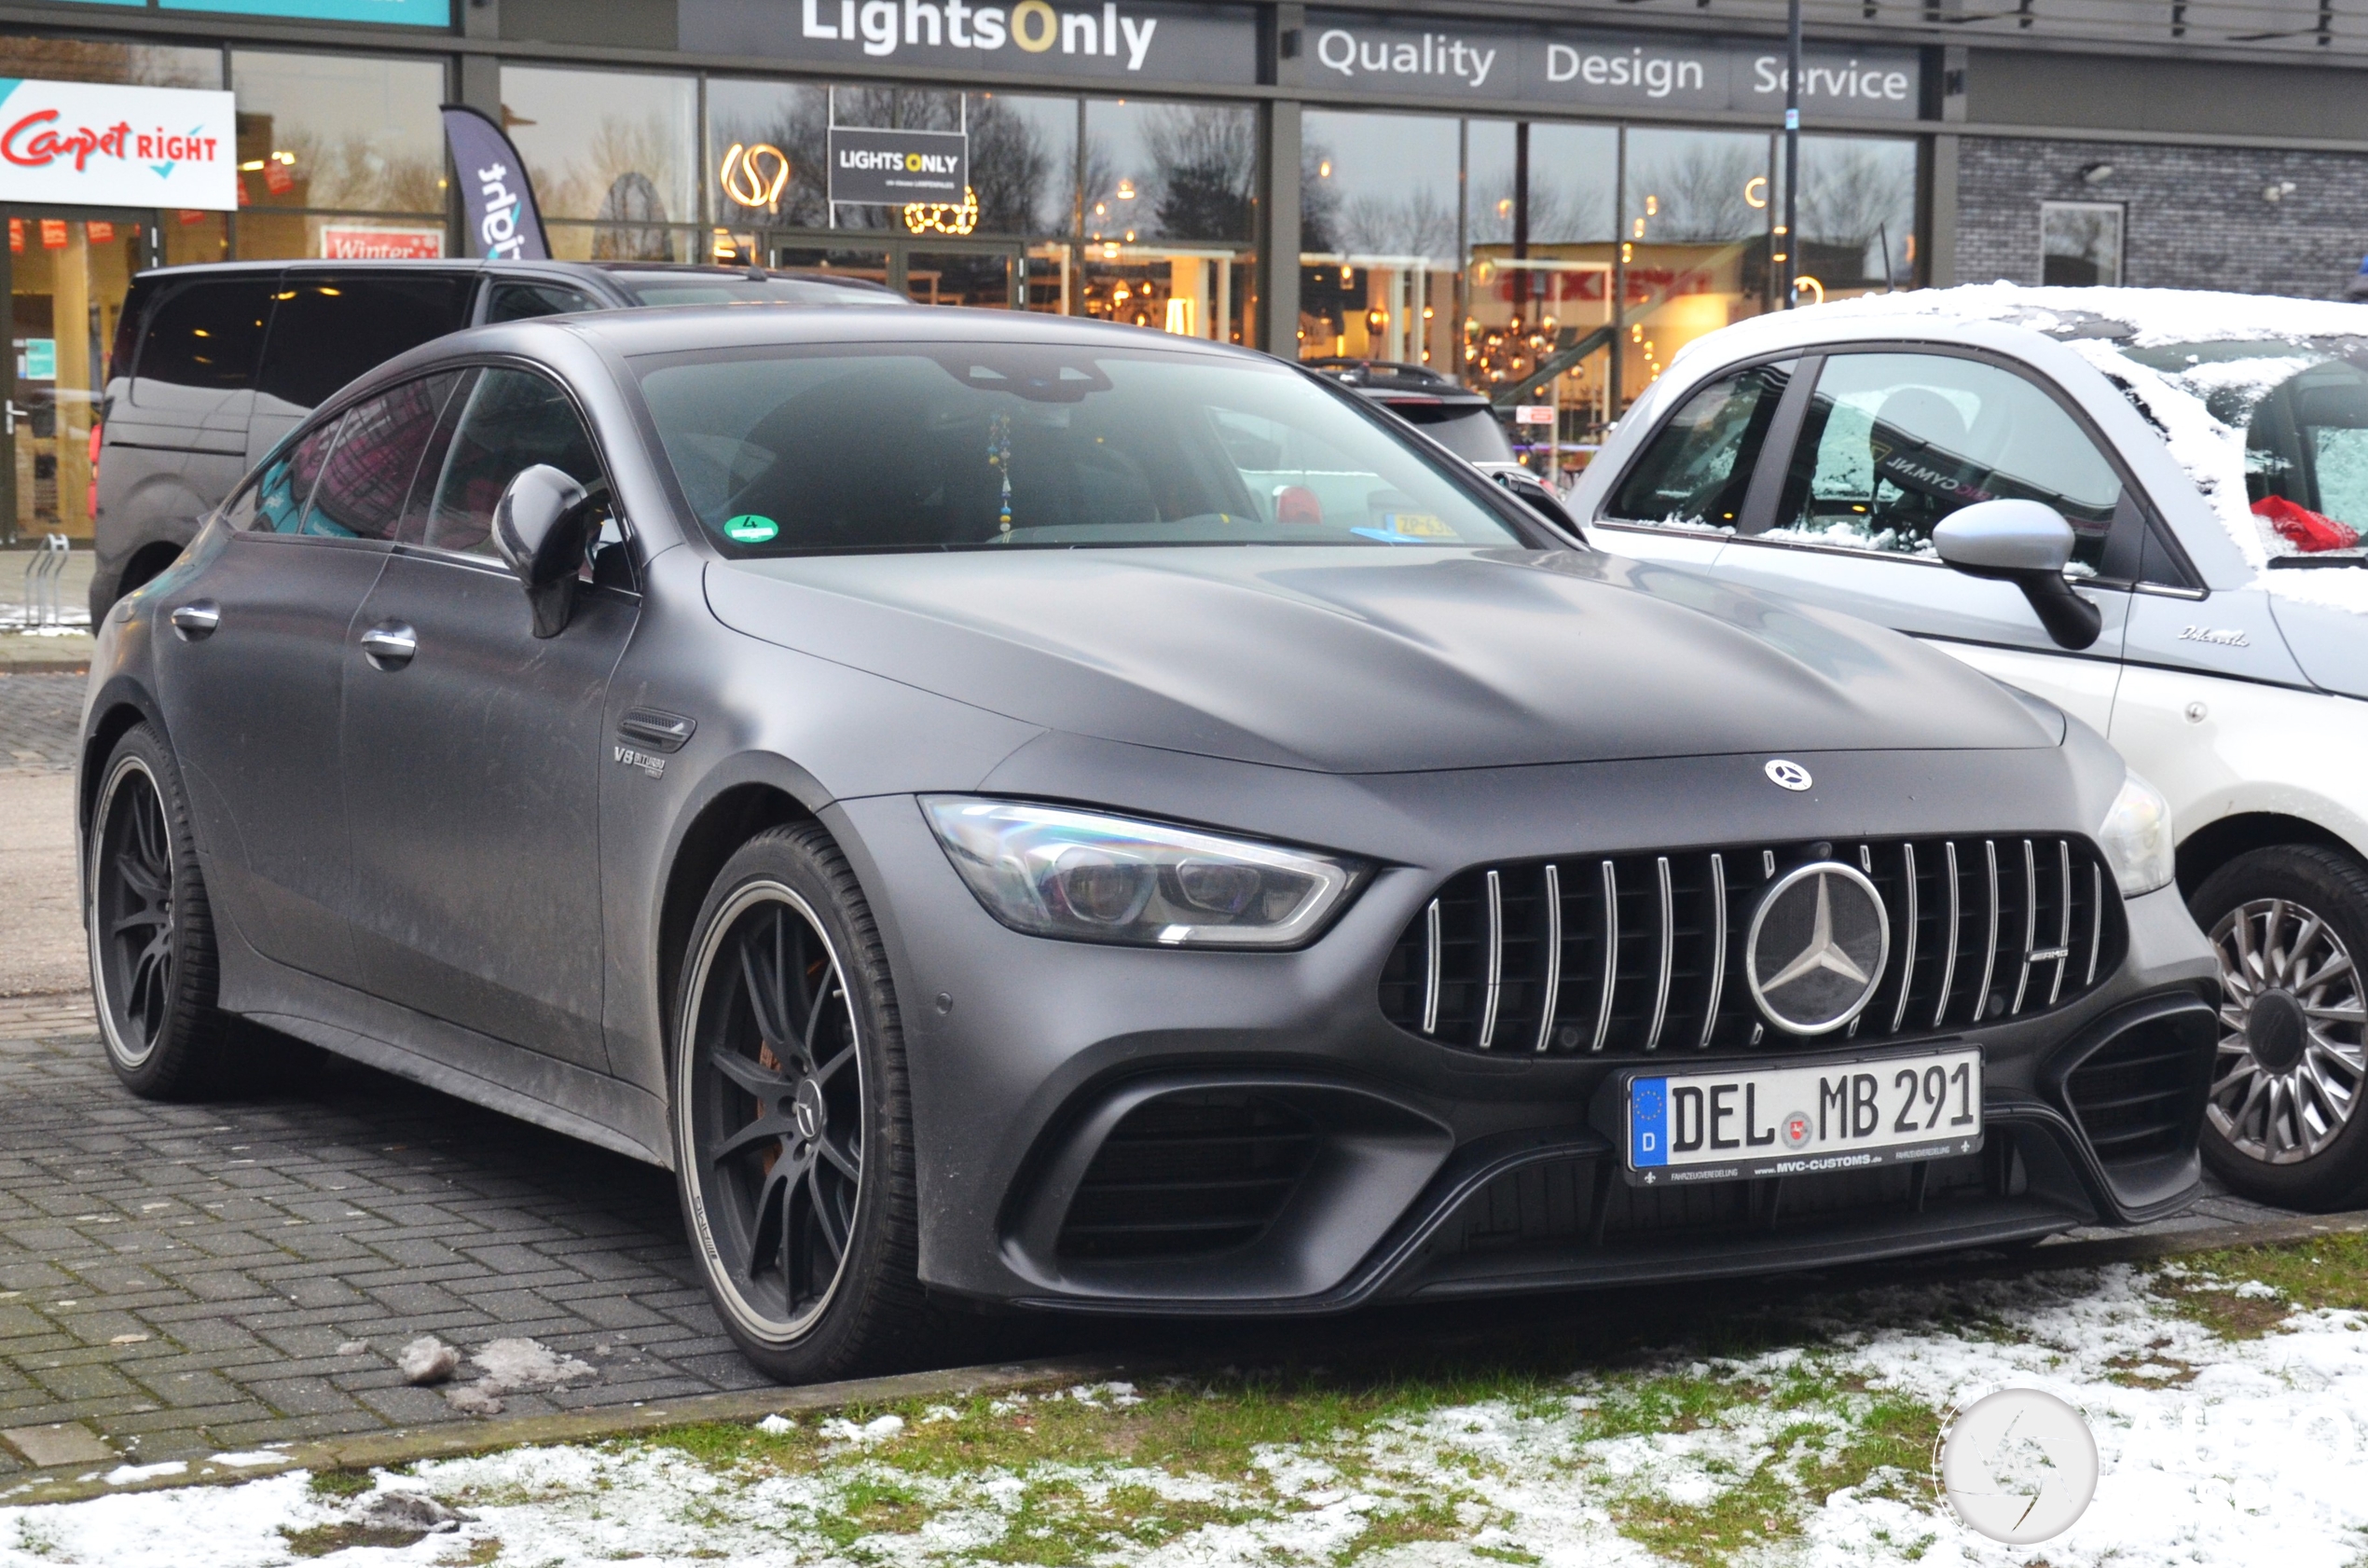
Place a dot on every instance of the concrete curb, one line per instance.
(77, 1482)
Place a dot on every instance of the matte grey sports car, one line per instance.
(1024, 811)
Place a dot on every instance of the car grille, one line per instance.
(1189, 1174)
(1626, 954)
(2140, 1095)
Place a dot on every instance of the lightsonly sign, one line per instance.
(97, 145)
(899, 168)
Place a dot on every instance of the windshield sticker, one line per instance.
(749, 528)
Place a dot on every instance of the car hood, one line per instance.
(1347, 660)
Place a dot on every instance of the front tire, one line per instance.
(2283, 1122)
(153, 968)
(793, 1123)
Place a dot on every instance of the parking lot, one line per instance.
(181, 1280)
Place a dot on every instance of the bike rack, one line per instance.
(43, 607)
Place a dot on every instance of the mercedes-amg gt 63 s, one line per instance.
(1013, 810)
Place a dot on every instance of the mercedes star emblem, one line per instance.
(1817, 946)
(1788, 774)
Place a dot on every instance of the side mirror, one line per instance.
(1537, 496)
(539, 526)
(2028, 544)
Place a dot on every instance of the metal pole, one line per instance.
(1792, 150)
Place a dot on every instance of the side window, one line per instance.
(1894, 443)
(329, 329)
(512, 419)
(273, 500)
(522, 301)
(364, 485)
(206, 335)
(1698, 467)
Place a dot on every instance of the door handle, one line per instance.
(196, 620)
(390, 645)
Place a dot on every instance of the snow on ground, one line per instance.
(2237, 1451)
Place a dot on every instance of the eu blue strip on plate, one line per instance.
(1647, 1122)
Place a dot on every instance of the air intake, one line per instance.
(1187, 1175)
(1631, 955)
(2141, 1094)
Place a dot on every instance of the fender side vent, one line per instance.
(1188, 1174)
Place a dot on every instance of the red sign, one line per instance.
(383, 244)
(53, 234)
(276, 177)
(100, 233)
(16, 235)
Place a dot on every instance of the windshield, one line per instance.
(2303, 407)
(959, 445)
(726, 288)
(1465, 431)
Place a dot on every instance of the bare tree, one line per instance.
(1699, 193)
(1204, 160)
(1850, 189)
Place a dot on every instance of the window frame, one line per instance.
(2126, 546)
(1784, 427)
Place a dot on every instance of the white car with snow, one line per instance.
(2153, 502)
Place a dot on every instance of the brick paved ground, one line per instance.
(40, 716)
(192, 1278)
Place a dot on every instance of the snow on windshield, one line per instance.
(2207, 371)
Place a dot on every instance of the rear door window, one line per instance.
(1697, 469)
(204, 334)
(273, 500)
(1892, 443)
(364, 485)
(329, 328)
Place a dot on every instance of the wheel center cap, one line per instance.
(2275, 1030)
(806, 1111)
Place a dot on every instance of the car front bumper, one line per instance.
(1389, 1165)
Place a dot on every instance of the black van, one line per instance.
(213, 364)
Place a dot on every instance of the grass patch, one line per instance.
(479, 1554)
(340, 1483)
(319, 1540)
(2325, 1272)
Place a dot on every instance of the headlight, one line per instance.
(1059, 873)
(2136, 838)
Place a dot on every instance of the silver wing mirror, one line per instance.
(2028, 544)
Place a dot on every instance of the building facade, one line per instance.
(1544, 200)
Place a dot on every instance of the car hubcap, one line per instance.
(775, 1110)
(133, 926)
(2293, 1053)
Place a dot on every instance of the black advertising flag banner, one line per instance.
(497, 201)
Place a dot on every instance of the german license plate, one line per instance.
(1837, 1116)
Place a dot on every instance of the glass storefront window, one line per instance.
(1023, 153)
(339, 132)
(1696, 228)
(616, 152)
(1378, 238)
(89, 60)
(1857, 214)
(67, 279)
(1168, 216)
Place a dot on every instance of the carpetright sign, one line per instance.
(94, 144)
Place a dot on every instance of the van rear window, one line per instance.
(206, 334)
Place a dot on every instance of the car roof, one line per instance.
(679, 328)
(489, 264)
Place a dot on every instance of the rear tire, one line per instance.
(153, 967)
(793, 1121)
(2283, 1124)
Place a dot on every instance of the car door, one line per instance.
(473, 759)
(1686, 493)
(329, 328)
(251, 669)
(1888, 443)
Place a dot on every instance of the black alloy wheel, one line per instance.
(793, 1160)
(2283, 1120)
(151, 933)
